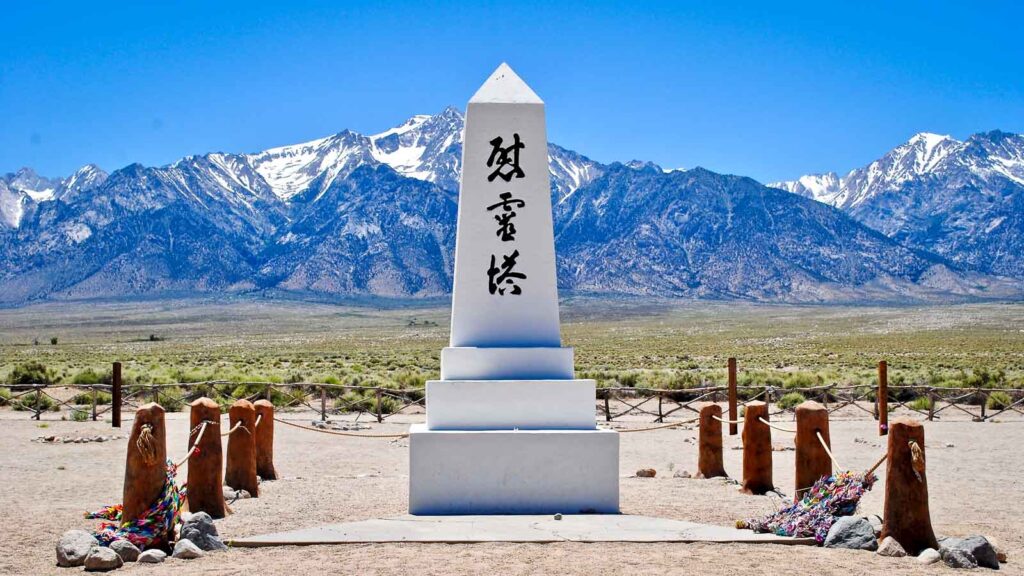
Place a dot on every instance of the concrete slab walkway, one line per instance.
(467, 529)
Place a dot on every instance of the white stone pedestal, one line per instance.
(513, 471)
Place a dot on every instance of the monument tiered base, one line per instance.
(513, 471)
(510, 404)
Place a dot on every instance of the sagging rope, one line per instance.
(663, 426)
(258, 418)
(238, 425)
(195, 445)
(774, 427)
(835, 463)
(724, 421)
(337, 433)
(916, 460)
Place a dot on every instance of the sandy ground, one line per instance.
(974, 484)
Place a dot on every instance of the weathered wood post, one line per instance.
(323, 404)
(812, 461)
(146, 465)
(380, 397)
(661, 413)
(709, 444)
(757, 450)
(94, 403)
(906, 516)
(607, 407)
(883, 398)
(733, 400)
(155, 391)
(115, 396)
(931, 404)
(37, 408)
(265, 440)
(241, 466)
(205, 467)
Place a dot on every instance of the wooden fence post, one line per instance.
(906, 517)
(323, 404)
(882, 398)
(812, 461)
(709, 445)
(607, 407)
(145, 466)
(380, 415)
(661, 414)
(931, 404)
(241, 460)
(733, 400)
(206, 467)
(94, 403)
(757, 450)
(156, 393)
(38, 405)
(115, 396)
(265, 440)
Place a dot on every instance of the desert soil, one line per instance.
(974, 475)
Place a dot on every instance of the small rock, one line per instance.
(977, 547)
(681, 474)
(851, 533)
(646, 473)
(929, 556)
(876, 524)
(950, 445)
(957, 558)
(126, 550)
(102, 560)
(186, 550)
(232, 494)
(153, 556)
(202, 532)
(890, 547)
(558, 516)
(782, 448)
(73, 548)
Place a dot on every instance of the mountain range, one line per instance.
(354, 215)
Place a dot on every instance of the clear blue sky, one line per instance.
(764, 89)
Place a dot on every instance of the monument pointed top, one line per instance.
(505, 86)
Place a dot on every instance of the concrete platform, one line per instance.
(511, 404)
(513, 471)
(541, 529)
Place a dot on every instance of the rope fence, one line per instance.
(660, 405)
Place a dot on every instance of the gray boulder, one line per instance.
(126, 550)
(929, 556)
(890, 547)
(186, 550)
(102, 560)
(978, 547)
(957, 558)
(201, 530)
(852, 533)
(153, 556)
(74, 547)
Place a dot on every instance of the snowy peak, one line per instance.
(37, 187)
(290, 170)
(85, 178)
(424, 147)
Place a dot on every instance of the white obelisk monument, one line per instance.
(509, 430)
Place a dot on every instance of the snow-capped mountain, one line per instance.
(963, 200)
(354, 215)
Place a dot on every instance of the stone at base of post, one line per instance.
(241, 467)
(709, 445)
(812, 462)
(205, 467)
(146, 465)
(265, 440)
(906, 517)
(757, 450)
